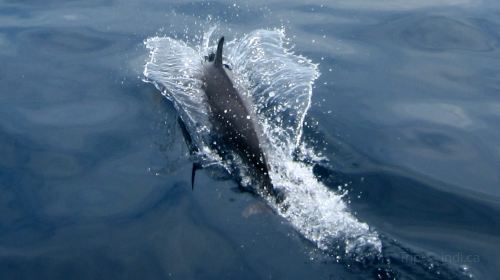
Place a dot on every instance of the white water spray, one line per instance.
(278, 84)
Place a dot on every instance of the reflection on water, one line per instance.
(445, 114)
(94, 176)
(437, 33)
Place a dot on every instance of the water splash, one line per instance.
(278, 83)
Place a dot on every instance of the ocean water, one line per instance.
(398, 175)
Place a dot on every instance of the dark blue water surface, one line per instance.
(94, 172)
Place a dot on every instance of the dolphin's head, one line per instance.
(210, 57)
(216, 58)
(217, 76)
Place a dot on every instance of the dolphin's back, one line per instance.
(232, 119)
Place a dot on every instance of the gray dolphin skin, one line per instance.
(233, 123)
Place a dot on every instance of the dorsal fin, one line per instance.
(218, 55)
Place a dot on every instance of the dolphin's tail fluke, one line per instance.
(218, 54)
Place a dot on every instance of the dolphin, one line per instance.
(235, 128)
